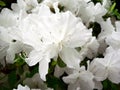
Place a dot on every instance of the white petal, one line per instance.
(114, 75)
(71, 78)
(43, 67)
(117, 23)
(8, 18)
(98, 69)
(114, 40)
(86, 78)
(71, 57)
(34, 57)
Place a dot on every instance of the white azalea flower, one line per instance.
(113, 39)
(107, 67)
(106, 30)
(56, 34)
(92, 13)
(79, 80)
(20, 87)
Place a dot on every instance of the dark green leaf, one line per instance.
(33, 71)
(2, 3)
(60, 63)
(4, 88)
(52, 65)
(55, 83)
(12, 79)
(107, 85)
(112, 8)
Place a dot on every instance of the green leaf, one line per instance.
(114, 87)
(112, 12)
(52, 65)
(116, 13)
(4, 88)
(112, 7)
(33, 71)
(55, 83)
(105, 84)
(12, 79)
(19, 70)
(2, 3)
(108, 85)
(60, 63)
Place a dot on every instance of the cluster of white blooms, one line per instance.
(44, 31)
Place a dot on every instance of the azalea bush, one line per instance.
(59, 45)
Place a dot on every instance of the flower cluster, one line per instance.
(66, 31)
